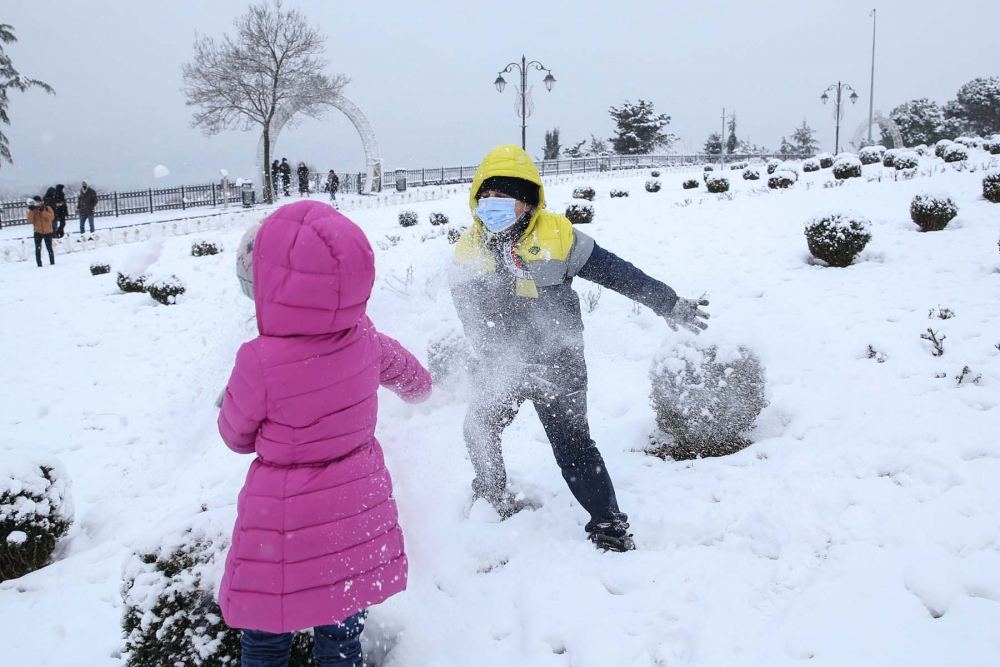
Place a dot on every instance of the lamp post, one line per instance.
(523, 93)
(871, 93)
(838, 110)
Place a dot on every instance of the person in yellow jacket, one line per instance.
(512, 289)
(41, 216)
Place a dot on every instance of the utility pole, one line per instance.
(871, 94)
(722, 140)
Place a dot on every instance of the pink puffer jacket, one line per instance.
(316, 538)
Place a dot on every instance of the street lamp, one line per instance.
(838, 110)
(523, 94)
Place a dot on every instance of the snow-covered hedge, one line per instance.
(438, 219)
(585, 192)
(825, 160)
(690, 183)
(810, 165)
(738, 166)
(717, 183)
(616, 193)
(772, 165)
(781, 179)
(970, 142)
(652, 186)
(871, 154)
(993, 145)
(654, 173)
(169, 592)
(922, 149)
(847, 167)
(165, 289)
(931, 212)
(941, 146)
(991, 186)
(580, 214)
(130, 283)
(708, 167)
(889, 157)
(36, 510)
(837, 237)
(751, 174)
(956, 153)
(408, 218)
(706, 398)
(906, 160)
(99, 269)
(449, 359)
(205, 248)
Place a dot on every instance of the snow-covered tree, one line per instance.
(576, 150)
(732, 143)
(597, 146)
(713, 145)
(803, 140)
(978, 105)
(919, 121)
(785, 147)
(955, 123)
(10, 78)
(639, 129)
(552, 145)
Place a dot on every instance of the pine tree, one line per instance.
(597, 146)
(10, 78)
(732, 143)
(978, 105)
(955, 122)
(803, 140)
(919, 121)
(576, 150)
(713, 145)
(639, 129)
(785, 148)
(552, 145)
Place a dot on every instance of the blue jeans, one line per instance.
(333, 195)
(335, 645)
(84, 218)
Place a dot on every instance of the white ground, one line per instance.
(861, 528)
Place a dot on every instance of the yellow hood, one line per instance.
(512, 161)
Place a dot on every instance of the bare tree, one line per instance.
(241, 82)
(11, 78)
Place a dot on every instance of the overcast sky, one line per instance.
(423, 73)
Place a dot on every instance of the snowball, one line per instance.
(159, 171)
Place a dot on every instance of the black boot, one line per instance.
(611, 534)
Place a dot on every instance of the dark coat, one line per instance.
(303, 172)
(332, 183)
(86, 203)
(61, 208)
(286, 171)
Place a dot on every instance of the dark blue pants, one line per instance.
(84, 218)
(335, 645)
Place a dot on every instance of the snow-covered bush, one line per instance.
(585, 192)
(205, 248)
(847, 167)
(991, 186)
(580, 214)
(690, 183)
(810, 165)
(751, 174)
(837, 237)
(922, 149)
(906, 160)
(169, 592)
(738, 166)
(781, 179)
(889, 157)
(932, 213)
(408, 218)
(844, 156)
(438, 219)
(615, 194)
(706, 398)
(130, 283)
(825, 160)
(956, 153)
(970, 142)
(941, 146)
(654, 173)
(871, 154)
(652, 186)
(165, 289)
(36, 510)
(455, 233)
(993, 145)
(709, 167)
(99, 269)
(717, 183)
(772, 166)
(449, 359)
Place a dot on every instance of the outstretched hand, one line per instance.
(686, 313)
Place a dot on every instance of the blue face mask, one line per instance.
(496, 213)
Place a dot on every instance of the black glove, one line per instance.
(686, 313)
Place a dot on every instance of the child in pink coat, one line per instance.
(316, 540)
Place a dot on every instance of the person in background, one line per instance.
(86, 205)
(61, 210)
(303, 172)
(332, 184)
(41, 216)
(275, 174)
(286, 176)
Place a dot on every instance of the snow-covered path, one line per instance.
(861, 527)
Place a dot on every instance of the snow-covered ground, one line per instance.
(861, 528)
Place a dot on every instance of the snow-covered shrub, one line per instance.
(825, 160)
(438, 219)
(99, 269)
(772, 165)
(889, 157)
(781, 179)
(751, 174)
(993, 145)
(130, 283)
(847, 167)
(932, 213)
(706, 398)
(165, 289)
(970, 142)
(709, 167)
(956, 153)
(36, 510)
(654, 174)
(844, 156)
(408, 218)
(449, 359)
(585, 192)
(615, 194)
(837, 237)
(738, 166)
(922, 149)
(717, 183)
(690, 183)
(941, 146)
(580, 214)
(205, 248)
(991, 186)
(871, 154)
(652, 186)
(906, 160)
(169, 592)
(810, 165)
(455, 233)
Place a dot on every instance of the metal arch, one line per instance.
(887, 125)
(373, 156)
